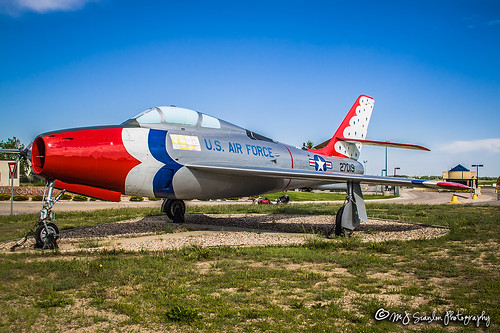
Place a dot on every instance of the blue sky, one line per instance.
(286, 69)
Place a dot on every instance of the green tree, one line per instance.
(309, 144)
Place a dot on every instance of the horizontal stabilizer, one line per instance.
(385, 144)
(89, 191)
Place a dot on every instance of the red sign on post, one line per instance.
(13, 169)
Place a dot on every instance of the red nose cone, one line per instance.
(93, 157)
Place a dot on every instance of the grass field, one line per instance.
(322, 286)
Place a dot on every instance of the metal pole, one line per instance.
(386, 187)
(386, 161)
(11, 194)
(477, 173)
(382, 186)
(396, 188)
(477, 176)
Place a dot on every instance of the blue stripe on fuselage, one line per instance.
(162, 182)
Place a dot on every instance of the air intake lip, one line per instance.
(38, 155)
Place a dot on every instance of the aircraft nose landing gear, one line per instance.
(46, 233)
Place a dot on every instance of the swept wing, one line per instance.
(324, 176)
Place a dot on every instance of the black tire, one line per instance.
(175, 210)
(338, 222)
(165, 208)
(44, 239)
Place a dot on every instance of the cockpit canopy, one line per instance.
(163, 116)
(175, 116)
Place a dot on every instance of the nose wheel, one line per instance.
(46, 236)
(175, 210)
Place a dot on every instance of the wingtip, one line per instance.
(453, 186)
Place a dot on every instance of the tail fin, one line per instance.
(354, 126)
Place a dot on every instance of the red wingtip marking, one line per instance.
(455, 186)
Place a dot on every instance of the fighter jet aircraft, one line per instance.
(179, 154)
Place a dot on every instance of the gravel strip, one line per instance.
(218, 239)
(155, 233)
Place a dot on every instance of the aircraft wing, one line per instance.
(324, 176)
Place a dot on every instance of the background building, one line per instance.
(462, 175)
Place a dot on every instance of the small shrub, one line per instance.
(79, 197)
(297, 304)
(89, 243)
(315, 241)
(196, 251)
(136, 198)
(421, 214)
(21, 197)
(380, 247)
(37, 198)
(349, 243)
(66, 196)
(181, 313)
(153, 199)
(53, 299)
(93, 199)
(4, 197)
(168, 229)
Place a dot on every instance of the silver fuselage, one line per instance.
(234, 146)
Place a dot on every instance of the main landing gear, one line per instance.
(353, 212)
(175, 209)
(46, 233)
(339, 231)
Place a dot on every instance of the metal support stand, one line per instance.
(12, 186)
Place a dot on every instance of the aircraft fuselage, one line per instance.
(150, 161)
